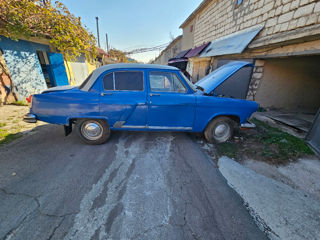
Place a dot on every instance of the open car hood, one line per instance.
(218, 76)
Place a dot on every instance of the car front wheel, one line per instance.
(93, 131)
(219, 130)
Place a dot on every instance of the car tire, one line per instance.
(219, 130)
(93, 131)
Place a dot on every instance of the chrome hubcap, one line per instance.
(91, 130)
(221, 131)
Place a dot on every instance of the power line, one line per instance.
(147, 49)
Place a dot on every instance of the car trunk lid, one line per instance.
(59, 89)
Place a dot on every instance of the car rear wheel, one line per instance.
(93, 131)
(219, 130)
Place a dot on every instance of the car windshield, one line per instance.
(193, 87)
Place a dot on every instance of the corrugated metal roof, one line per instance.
(182, 54)
(195, 51)
(232, 44)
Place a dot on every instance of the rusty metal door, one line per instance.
(313, 137)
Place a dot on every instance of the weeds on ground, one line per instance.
(267, 144)
(3, 124)
(229, 149)
(288, 145)
(6, 136)
(20, 103)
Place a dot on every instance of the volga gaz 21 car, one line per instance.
(143, 97)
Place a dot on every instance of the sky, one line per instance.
(132, 24)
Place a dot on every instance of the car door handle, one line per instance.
(154, 94)
(106, 94)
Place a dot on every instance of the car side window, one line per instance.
(108, 82)
(124, 81)
(129, 81)
(165, 82)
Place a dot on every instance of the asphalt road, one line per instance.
(137, 186)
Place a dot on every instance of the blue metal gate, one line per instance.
(57, 69)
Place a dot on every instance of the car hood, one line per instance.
(218, 76)
(60, 88)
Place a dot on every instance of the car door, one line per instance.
(123, 99)
(171, 105)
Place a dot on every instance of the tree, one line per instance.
(42, 19)
(118, 55)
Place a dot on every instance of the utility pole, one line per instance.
(97, 20)
(107, 42)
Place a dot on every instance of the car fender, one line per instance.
(233, 116)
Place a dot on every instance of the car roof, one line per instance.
(97, 72)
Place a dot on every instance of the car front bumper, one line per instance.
(30, 118)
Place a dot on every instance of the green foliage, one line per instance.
(6, 136)
(20, 103)
(42, 19)
(286, 145)
(228, 149)
(118, 55)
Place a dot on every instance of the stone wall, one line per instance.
(255, 80)
(7, 91)
(223, 17)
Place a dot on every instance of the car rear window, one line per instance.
(129, 81)
(124, 81)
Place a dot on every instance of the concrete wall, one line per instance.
(79, 69)
(188, 36)
(24, 66)
(223, 17)
(290, 83)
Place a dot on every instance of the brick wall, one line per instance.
(223, 17)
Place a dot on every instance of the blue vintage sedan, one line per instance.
(143, 97)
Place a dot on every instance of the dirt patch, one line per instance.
(12, 125)
(263, 143)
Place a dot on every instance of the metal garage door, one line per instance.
(313, 137)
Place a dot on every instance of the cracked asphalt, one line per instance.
(137, 186)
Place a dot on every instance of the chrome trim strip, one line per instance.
(119, 124)
(170, 128)
(157, 127)
(248, 125)
(131, 126)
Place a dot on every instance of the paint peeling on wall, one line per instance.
(24, 65)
